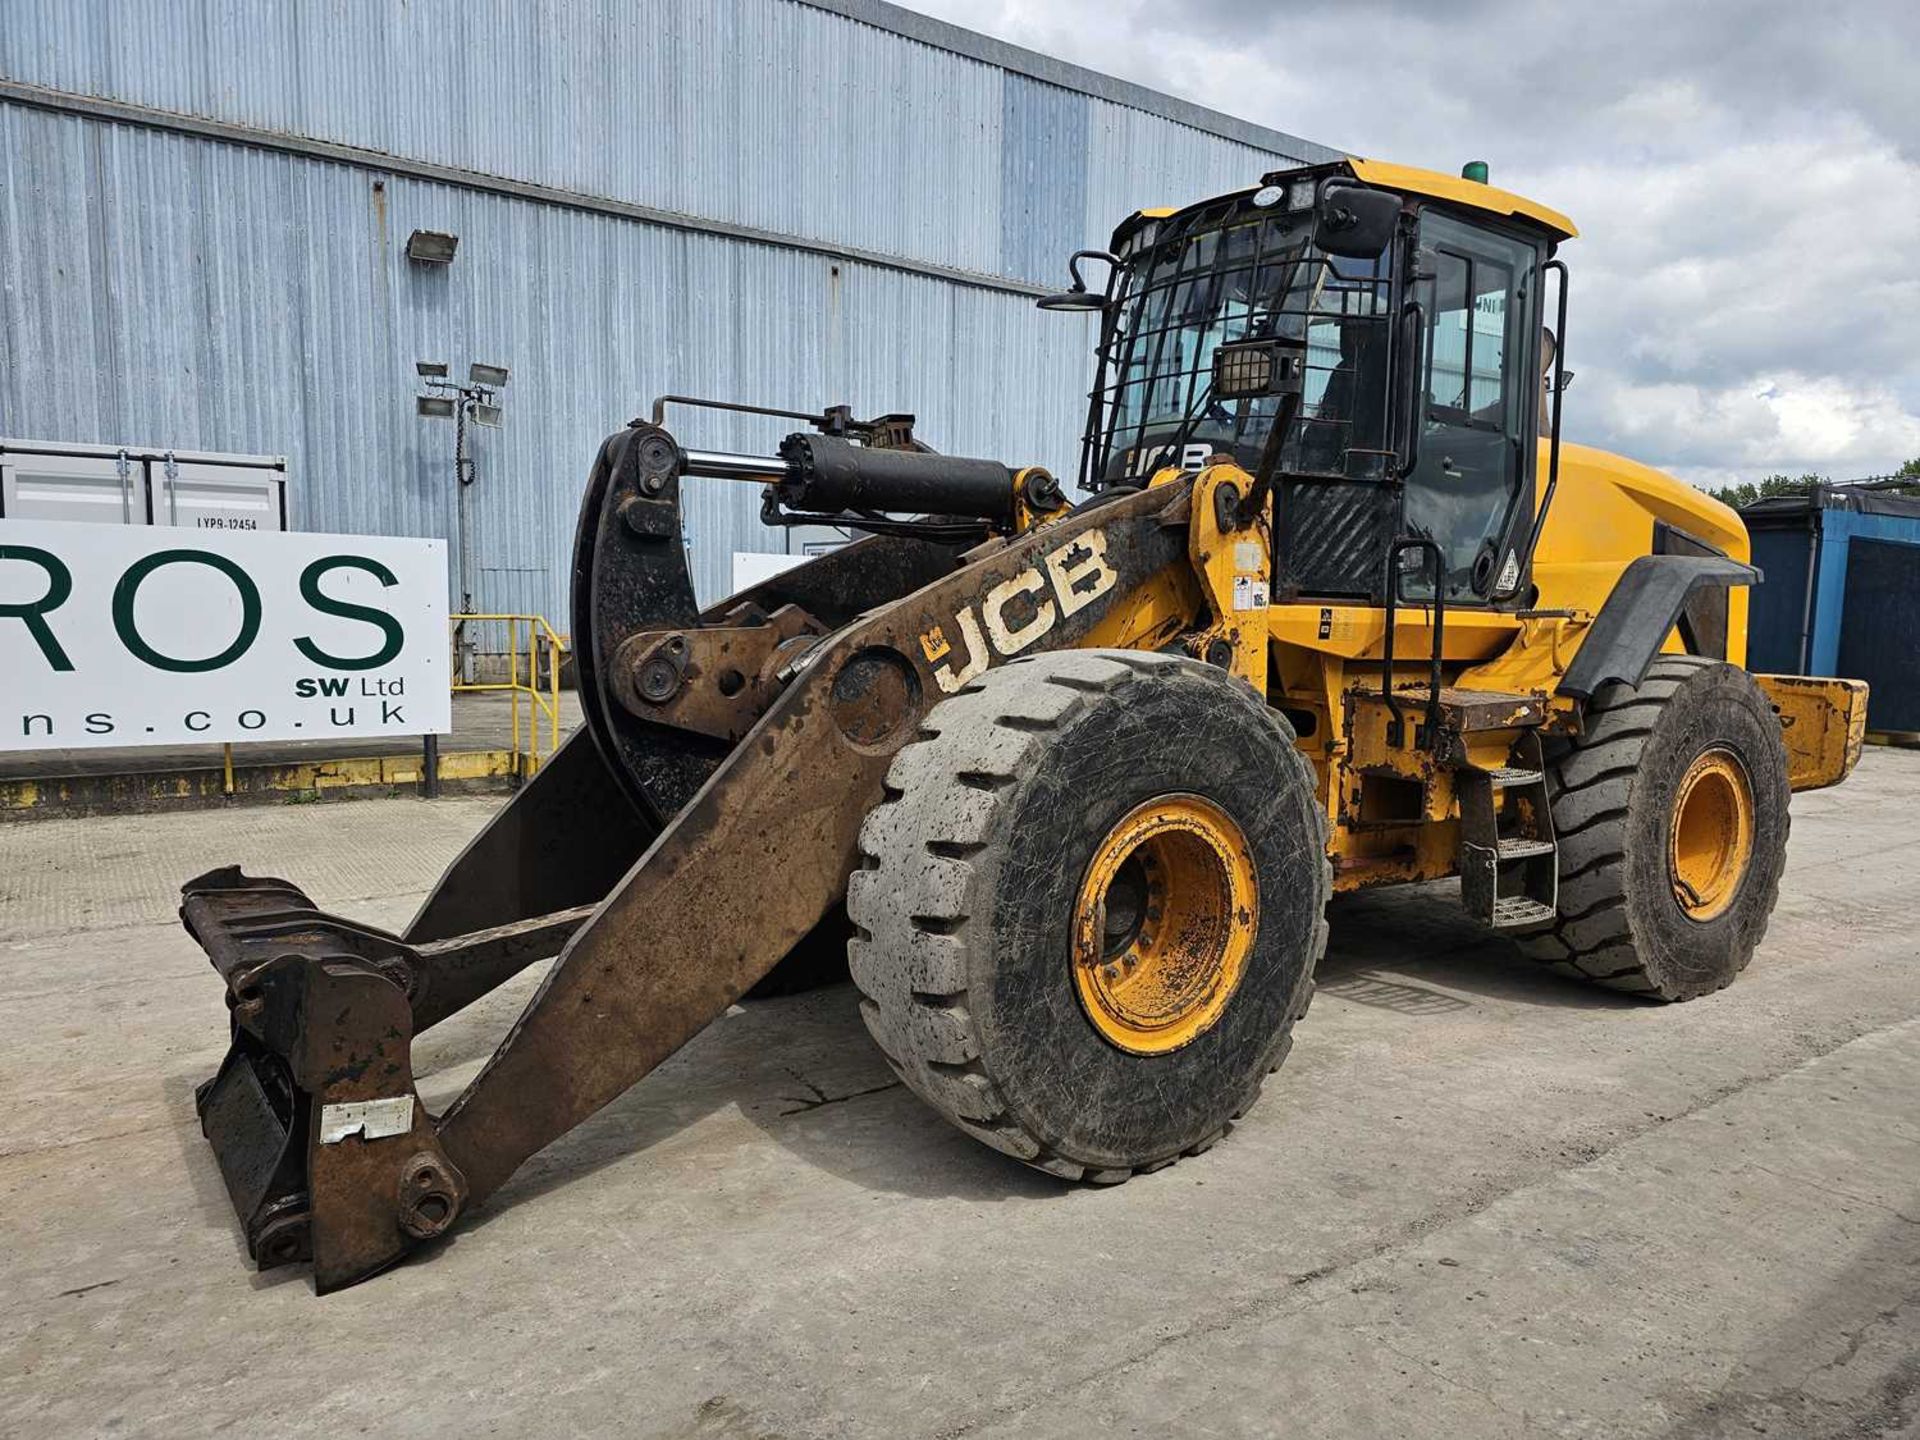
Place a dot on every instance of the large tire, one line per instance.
(1626, 920)
(976, 862)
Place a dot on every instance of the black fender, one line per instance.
(1639, 615)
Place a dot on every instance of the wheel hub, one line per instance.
(1163, 923)
(1711, 837)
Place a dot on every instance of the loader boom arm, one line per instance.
(763, 850)
(733, 878)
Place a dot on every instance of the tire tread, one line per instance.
(1592, 938)
(972, 753)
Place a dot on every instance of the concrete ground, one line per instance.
(1478, 1201)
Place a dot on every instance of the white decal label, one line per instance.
(1509, 574)
(369, 1119)
(1076, 574)
(1025, 587)
(1249, 592)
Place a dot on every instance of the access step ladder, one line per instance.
(1509, 861)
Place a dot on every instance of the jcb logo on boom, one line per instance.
(1021, 609)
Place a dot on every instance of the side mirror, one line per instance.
(1255, 369)
(1356, 224)
(1078, 297)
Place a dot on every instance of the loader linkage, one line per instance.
(667, 869)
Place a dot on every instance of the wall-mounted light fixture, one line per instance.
(494, 375)
(431, 369)
(432, 247)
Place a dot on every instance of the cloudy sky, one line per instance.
(1745, 174)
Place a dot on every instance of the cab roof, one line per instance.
(1433, 184)
(1460, 191)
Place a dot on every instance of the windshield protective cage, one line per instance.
(1229, 270)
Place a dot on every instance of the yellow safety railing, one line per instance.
(542, 691)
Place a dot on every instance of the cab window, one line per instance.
(1477, 296)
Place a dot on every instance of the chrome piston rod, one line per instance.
(722, 465)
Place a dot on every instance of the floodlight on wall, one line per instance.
(432, 247)
(448, 399)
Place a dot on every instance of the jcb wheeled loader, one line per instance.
(1339, 610)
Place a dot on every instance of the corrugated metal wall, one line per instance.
(209, 293)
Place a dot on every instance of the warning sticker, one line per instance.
(1249, 592)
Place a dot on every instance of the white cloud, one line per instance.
(1746, 173)
(1788, 422)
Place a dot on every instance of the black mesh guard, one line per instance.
(1224, 271)
(1333, 537)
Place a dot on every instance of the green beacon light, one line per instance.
(1474, 170)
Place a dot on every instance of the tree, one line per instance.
(1745, 492)
(1748, 491)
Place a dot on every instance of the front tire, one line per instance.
(1090, 908)
(1671, 816)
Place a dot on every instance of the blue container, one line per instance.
(1842, 594)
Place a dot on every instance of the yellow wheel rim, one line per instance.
(1163, 923)
(1712, 834)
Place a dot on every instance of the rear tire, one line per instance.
(1671, 816)
(1028, 787)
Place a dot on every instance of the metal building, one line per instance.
(207, 206)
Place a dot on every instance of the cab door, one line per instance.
(1477, 289)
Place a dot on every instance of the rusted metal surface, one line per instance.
(1822, 721)
(313, 1116)
(630, 575)
(573, 830)
(1471, 710)
(851, 580)
(661, 958)
(563, 840)
(1462, 714)
(747, 846)
(716, 680)
(454, 973)
(324, 1011)
(321, 1018)
(244, 922)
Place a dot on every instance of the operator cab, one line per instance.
(1400, 316)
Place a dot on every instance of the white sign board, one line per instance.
(116, 635)
(751, 567)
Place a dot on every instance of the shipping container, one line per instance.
(141, 485)
(1842, 594)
